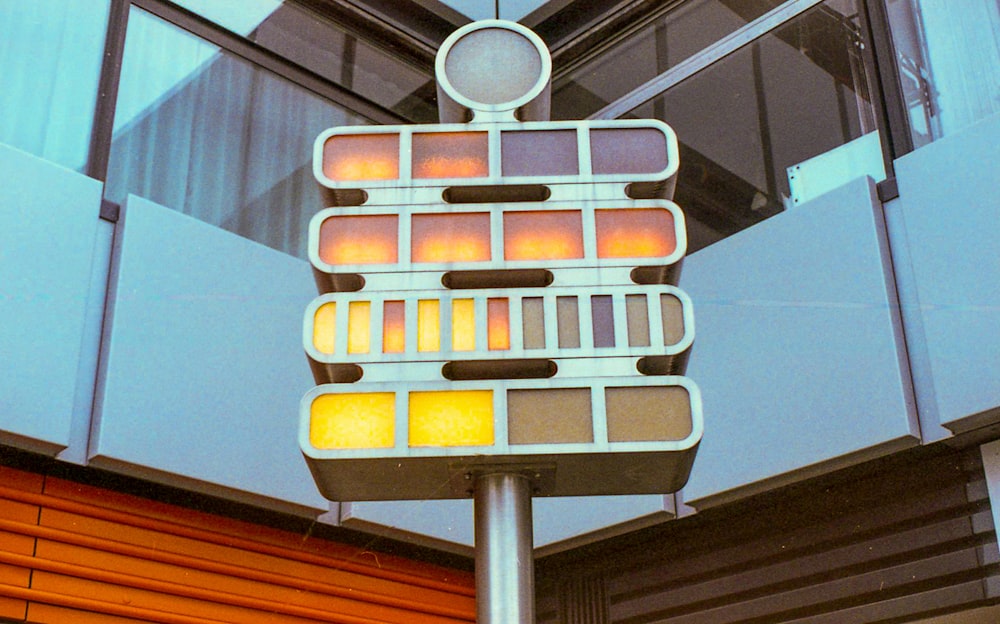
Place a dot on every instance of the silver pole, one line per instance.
(505, 568)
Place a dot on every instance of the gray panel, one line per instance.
(949, 208)
(797, 352)
(48, 225)
(203, 366)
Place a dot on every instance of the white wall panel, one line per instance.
(948, 211)
(797, 347)
(203, 367)
(48, 224)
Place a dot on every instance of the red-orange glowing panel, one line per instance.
(350, 157)
(361, 239)
(542, 235)
(455, 237)
(498, 324)
(635, 233)
(450, 155)
(393, 327)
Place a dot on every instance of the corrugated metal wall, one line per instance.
(82, 554)
(896, 540)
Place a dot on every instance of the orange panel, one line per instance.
(450, 237)
(498, 324)
(20, 480)
(542, 235)
(635, 233)
(169, 534)
(393, 327)
(361, 157)
(281, 570)
(450, 155)
(359, 239)
(168, 521)
(13, 608)
(18, 512)
(50, 614)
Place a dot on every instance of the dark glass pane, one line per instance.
(330, 50)
(648, 52)
(798, 92)
(50, 60)
(213, 136)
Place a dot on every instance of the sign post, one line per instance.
(498, 314)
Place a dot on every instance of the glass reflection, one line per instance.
(50, 60)
(629, 63)
(948, 62)
(315, 42)
(210, 135)
(795, 93)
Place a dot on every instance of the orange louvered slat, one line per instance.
(107, 557)
(12, 510)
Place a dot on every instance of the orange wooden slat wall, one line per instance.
(74, 552)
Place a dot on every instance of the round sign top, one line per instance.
(493, 66)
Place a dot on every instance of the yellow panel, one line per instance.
(356, 420)
(451, 418)
(324, 327)
(463, 325)
(428, 325)
(359, 326)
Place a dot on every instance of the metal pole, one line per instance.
(505, 567)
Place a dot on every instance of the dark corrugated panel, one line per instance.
(911, 535)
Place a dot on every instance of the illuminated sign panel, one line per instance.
(557, 235)
(359, 160)
(650, 321)
(416, 440)
(498, 293)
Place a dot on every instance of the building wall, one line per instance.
(71, 552)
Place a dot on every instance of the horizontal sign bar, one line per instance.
(354, 159)
(601, 435)
(651, 321)
(515, 235)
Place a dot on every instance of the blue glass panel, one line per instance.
(50, 60)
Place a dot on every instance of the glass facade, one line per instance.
(50, 61)
(799, 91)
(331, 51)
(763, 94)
(630, 62)
(211, 135)
(948, 63)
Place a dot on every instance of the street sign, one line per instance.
(582, 435)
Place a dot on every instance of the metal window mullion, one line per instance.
(99, 152)
(712, 54)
